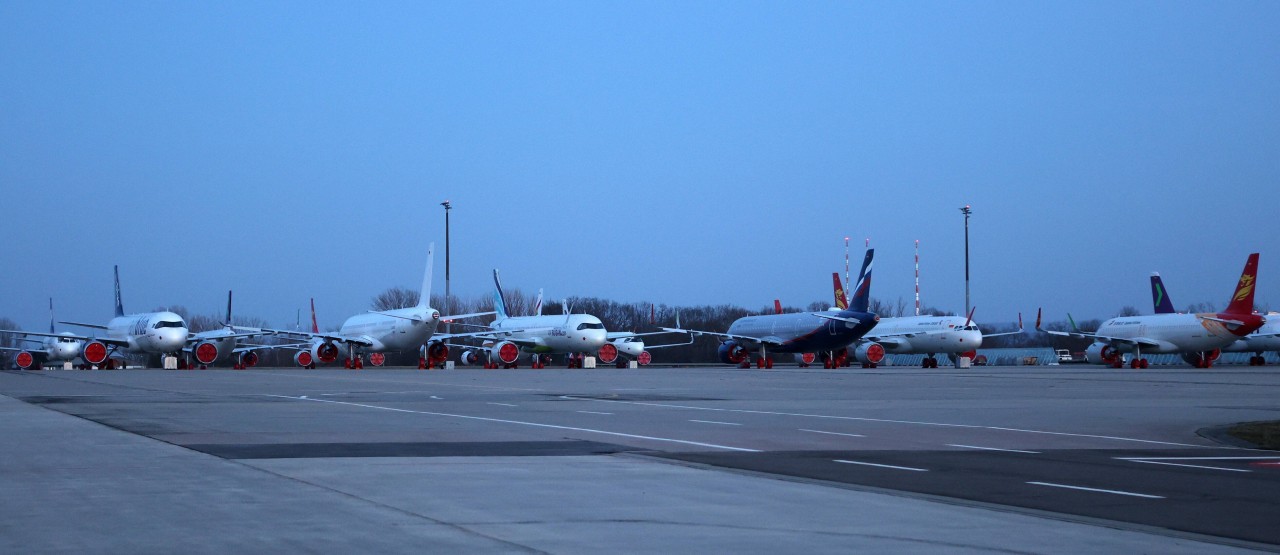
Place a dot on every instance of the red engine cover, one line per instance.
(645, 358)
(608, 353)
(206, 352)
(377, 359)
(508, 352)
(95, 352)
(24, 360)
(326, 352)
(808, 358)
(249, 359)
(437, 352)
(303, 358)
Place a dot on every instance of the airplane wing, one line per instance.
(620, 334)
(453, 317)
(325, 336)
(1129, 341)
(744, 338)
(1020, 329)
(92, 326)
(112, 342)
(854, 321)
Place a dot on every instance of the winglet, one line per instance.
(1159, 297)
(424, 298)
(1020, 328)
(119, 304)
(1073, 322)
(842, 303)
(1242, 300)
(1038, 313)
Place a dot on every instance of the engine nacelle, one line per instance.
(608, 353)
(24, 360)
(435, 352)
(249, 359)
(806, 358)
(470, 357)
(304, 359)
(1101, 353)
(731, 352)
(95, 352)
(505, 352)
(1202, 359)
(869, 353)
(205, 352)
(324, 351)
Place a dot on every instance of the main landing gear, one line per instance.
(1257, 360)
(929, 361)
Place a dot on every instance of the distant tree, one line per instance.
(1127, 310)
(8, 339)
(395, 297)
(817, 306)
(1201, 307)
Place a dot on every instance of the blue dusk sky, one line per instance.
(686, 153)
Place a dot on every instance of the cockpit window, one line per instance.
(163, 324)
(590, 326)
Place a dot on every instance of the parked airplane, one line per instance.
(1266, 338)
(631, 345)
(401, 329)
(55, 347)
(220, 344)
(535, 338)
(151, 334)
(825, 334)
(927, 335)
(1199, 338)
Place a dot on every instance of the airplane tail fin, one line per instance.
(777, 306)
(227, 323)
(1242, 300)
(1159, 297)
(861, 299)
(537, 306)
(841, 302)
(51, 315)
(315, 328)
(119, 303)
(499, 301)
(424, 298)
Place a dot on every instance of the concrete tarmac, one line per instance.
(1023, 460)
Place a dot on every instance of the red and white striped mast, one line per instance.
(846, 265)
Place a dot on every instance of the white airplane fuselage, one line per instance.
(1267, 338)
(402, 329)
(578, 333)
(938, 334)
(1174, 333)
(62, 348)
(149, 332)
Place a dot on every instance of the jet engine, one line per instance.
(470, 357)
(506, 352)
(24, 360)
(608, 353)
(304, 359)
(434, 352)
(324, 351)
(1202, 359)
(205, 352)
(1101, 353)
(249, 359)
(869, 353)
(95, 352)
(731, 353)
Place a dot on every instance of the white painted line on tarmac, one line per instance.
(883, 465)
(993, 449)
(502, 404)
(832, 433)
(437, 398)
(594, 412)
(714, 422)
(1189, 465)
(521, 423)
(1273, 457)
(1111, 491)
(889, 421)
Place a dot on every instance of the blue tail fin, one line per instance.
(1159, 296)
(499, 301)
(860, 301)
(119, 304)
(51, 315)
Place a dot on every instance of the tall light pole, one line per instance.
(966, 211)
(447, 310)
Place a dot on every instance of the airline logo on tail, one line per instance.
(841, 302)
(499, 300)
(1242, 301)
(1244, 288)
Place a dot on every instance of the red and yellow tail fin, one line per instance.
(1242, 300)
(841, 302)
